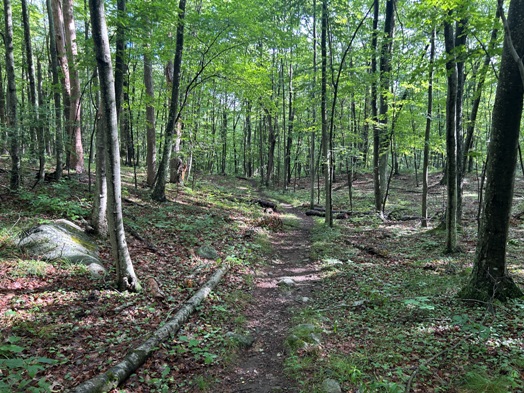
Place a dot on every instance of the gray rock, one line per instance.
(331, 263)
(242, 340)
(62, 239)
(330, 386)
(207, 252)
(286, 282)
(303, 336)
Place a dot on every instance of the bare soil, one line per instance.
(260, 368)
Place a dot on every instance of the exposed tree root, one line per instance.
(136, 357)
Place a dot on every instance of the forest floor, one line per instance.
(379, 294)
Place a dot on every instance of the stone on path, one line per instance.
(242, 340)
(330, 386)
(286, 282)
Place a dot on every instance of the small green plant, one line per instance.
(30, 268)
(197, 348)
(19, 371)
(44, 203)
(479, 381)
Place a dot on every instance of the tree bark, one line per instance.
(374, 110)
(490, 278)
(451, 141)
(427, 133)
(59, 143)
(11, 115)
(150, 120)
(126, 278)
(159, 192)
(59, 36)
(385, 78)
(99, 214)
(75, 131)
(35, 123)
(477, 95)
(326, 145)
(460, 49)
(312, 172)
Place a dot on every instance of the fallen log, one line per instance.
(315, 213)
(136, 357)
(369, 249)
(266, 204)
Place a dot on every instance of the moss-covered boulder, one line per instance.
(62, 239)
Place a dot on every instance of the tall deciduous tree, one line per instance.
(59, 38)
(427, 133)
(451, 139)
(159, 192)
(59, 144)
(76, 150)
(126, 278)
(326, 140)
(11, 115)
(490, 278)
(150, 120)
(35, 124)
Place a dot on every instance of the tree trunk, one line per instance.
(126, 278)
(427, 134)
(272, 140)
(59, 143)
(451, 141)
(59, 36)
(35, 121)
(460, 49)
(75, 131)
(120, 63)
(312, 172)
(326, 142)
(290, 125)
(99, 214)
(384, 138)
(477, 95)
(374, 110)
(136, 357)
(249, 148)
(159, 192)
(11, 115)
(150, 120)
(490, 278)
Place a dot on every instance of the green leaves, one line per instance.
(21, 370)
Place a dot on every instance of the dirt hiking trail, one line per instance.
(260, 368)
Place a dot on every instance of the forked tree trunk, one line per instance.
(75, 115)
(490, 278)
(126, 278)
(159, 192)
(59, 36)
